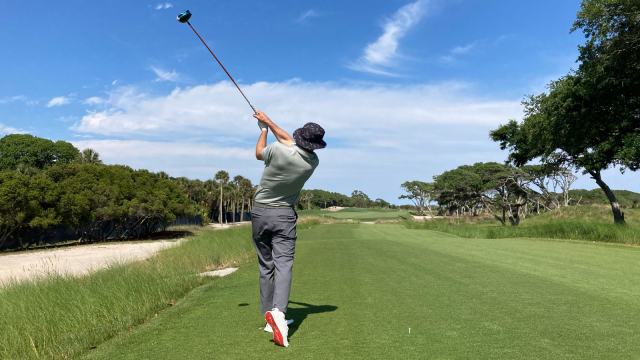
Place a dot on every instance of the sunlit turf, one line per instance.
(358, 289)
(360, 214)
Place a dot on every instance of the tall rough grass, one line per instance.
(556, 229)
(59, 317)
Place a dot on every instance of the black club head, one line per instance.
(184, 17)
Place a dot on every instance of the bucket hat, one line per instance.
(310, 136)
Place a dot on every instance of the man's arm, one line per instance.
(262, 143)
(280, 134)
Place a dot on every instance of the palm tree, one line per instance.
(308, 197)
(222, 177)
(228, 189)
(89, 156)
(211, 188)
(246, 188)
(26, 169)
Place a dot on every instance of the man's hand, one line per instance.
(280, 134)
(262, 126)
(262, 117)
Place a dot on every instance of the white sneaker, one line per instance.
(275, 318)
(268, 327)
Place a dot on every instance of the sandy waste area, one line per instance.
(75, 260)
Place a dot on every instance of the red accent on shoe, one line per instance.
(277, 335)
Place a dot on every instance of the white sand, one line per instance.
(75, 260)
(217, 226)
(426, 217)
(223, 272)
(334, 208)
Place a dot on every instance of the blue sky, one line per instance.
(405, 90)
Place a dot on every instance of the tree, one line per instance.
(26, 202)
(308, 196)
(246, 190)
(222, 177)
(88, 156)
(501, 189)
(590, 118)
(359, 198)
(382, 203)
(34, 151)
(27, 169)
(420, 193)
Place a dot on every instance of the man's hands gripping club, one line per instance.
(264, 122)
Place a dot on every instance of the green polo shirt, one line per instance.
(286, 170)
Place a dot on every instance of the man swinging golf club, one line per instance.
(288, 165)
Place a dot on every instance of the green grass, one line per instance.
(359, 288)
(593, 223)
(360, 214)
(59, 317)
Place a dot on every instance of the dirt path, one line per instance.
(75, 260)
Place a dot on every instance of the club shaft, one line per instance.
(225, 70)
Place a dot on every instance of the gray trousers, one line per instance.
(274, 236)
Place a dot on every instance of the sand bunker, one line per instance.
(75, 260)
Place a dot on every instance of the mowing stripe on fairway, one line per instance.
(359, 288)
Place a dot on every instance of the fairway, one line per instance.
(358, 289)
(360, 214)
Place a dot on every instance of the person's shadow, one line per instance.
(299, 314)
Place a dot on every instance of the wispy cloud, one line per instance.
(456, 51)
(57, 101)
(67, 118)
(163, 6)
(381, 54)
(164, 75)
(11, 99)
(94, 100)
(307, 14)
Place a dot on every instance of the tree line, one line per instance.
(505, 192)
(46, 185)
(321, 199)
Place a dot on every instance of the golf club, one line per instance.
(184, 18)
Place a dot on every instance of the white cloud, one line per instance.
(57, 101)
(382, 53)
(349, 110)
(11, 99)
(458, 50)
(5, 130)
(94, 100)
(165, 75)
(163, 6)
(307, 14)
(420, 131)
(67, 118)
(114, 82)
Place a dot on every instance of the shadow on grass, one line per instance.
(300, 314)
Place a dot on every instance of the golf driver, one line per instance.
(184, 18)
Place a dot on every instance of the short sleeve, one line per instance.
(267, 152)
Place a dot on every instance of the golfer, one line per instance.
(288, 165)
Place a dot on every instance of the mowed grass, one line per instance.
(360, 214)
(387, 292)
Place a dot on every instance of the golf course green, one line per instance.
(387, 292)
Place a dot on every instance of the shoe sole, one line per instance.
(277, 335)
